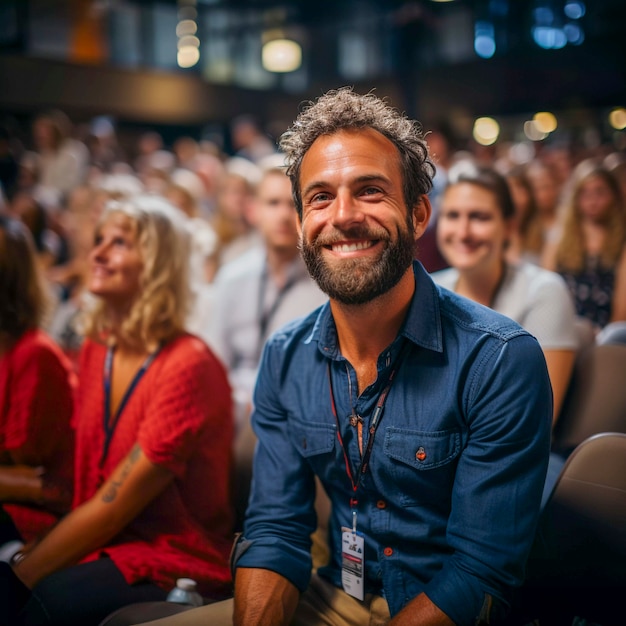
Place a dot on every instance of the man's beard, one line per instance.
(360, 280)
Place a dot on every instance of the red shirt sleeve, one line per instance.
(42, 395)
(189, 399)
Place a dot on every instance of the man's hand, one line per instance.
(421, 612)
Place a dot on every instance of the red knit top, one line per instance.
(180, 414)
(37, 403)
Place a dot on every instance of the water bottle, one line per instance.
(185, 593)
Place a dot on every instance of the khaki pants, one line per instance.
(322, 604)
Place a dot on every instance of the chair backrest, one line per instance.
(578, 565)
(587, 512)
(596, 399)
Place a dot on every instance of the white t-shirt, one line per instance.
(537, 299)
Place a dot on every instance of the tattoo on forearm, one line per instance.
(111, 492)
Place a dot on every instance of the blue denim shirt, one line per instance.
(455, 520)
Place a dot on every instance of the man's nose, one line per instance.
(346, 210)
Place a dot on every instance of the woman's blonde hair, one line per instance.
(571, 253)
(160, 309)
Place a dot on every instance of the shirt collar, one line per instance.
(422, 325)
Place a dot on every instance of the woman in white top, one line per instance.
(476, 221)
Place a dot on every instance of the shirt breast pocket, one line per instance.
(422, 464)
(314, 441)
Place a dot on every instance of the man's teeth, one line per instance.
(352, 247)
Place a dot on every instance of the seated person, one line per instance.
(37, 401)
(476, 220)
(258, 292)
(425, 415)
(590, 250)
(153, 441)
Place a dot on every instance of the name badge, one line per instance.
(352, 562)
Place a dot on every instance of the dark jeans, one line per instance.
(84, 595)
(8, 531)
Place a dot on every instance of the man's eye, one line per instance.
(320, 197)
(370, 191)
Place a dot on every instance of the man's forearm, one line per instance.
(263, 598)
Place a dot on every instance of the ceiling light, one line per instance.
(281, 55)
(486, 131)
(545, 121)
(186, 27)
(188, 56)
(617, 118)
(533, 132)
(188, 41)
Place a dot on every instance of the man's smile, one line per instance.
(353, 246)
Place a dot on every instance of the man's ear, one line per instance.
(421, 216)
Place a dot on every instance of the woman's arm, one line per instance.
(23, 483)
(20, 483)
(132, 486)
(618, 309)
(560, 367)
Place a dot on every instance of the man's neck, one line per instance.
(278, 262)
(365, 330)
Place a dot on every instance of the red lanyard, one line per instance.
(374, 423)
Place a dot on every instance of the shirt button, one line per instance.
(381, 504)
(420, 455)
(388, 551)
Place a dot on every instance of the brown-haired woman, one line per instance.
(37, 400)
(475, 225)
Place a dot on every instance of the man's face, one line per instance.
(356, 237)
(274, 213)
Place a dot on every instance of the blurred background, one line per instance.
(478, 70)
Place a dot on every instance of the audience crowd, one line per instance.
(181, 260)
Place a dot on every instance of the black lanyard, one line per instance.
(110, 424)
(373, 427)
(265, 316)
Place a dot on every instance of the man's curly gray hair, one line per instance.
(344, 109)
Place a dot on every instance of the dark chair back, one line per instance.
(578, 566)
(596, 399)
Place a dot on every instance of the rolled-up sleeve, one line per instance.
(280, 516)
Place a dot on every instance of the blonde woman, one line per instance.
(590, 252)
(154, 434)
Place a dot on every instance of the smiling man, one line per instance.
(425, 416)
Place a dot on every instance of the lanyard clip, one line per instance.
(354, 521)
